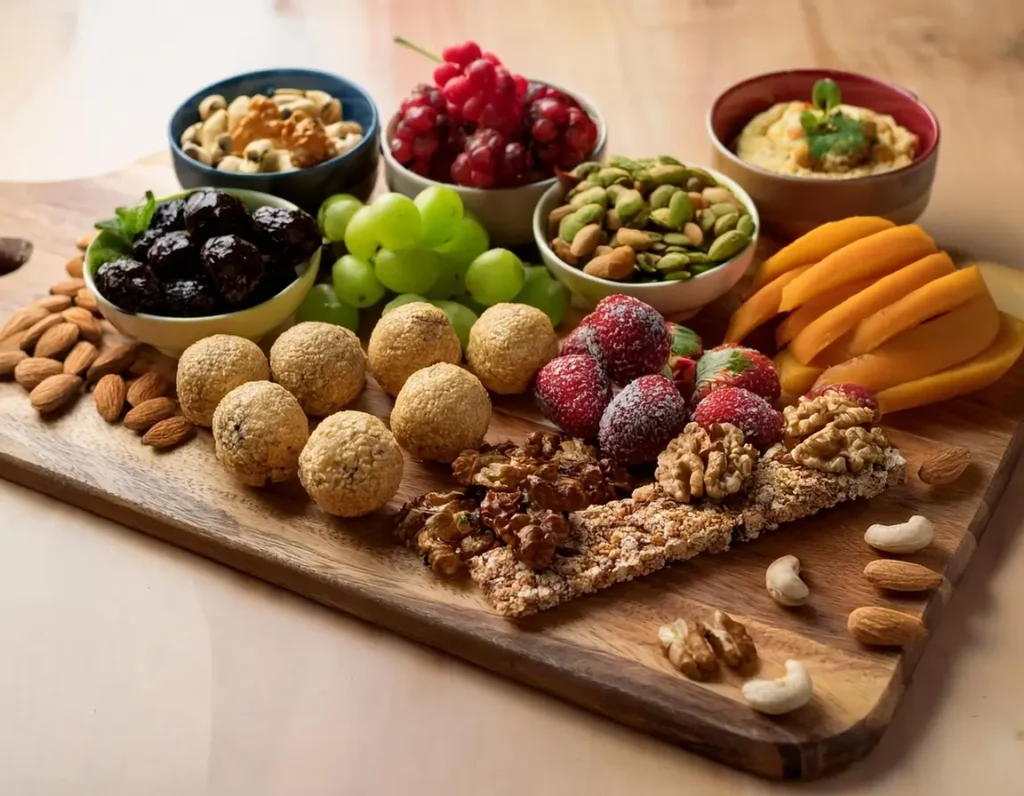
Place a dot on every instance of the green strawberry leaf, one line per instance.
(684, 342)
(722, 364)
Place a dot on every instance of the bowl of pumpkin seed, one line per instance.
(673, 235)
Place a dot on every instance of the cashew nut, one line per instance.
(231, 163)
(213, 128)
(191, 134)
(193, 150)
(905, 537)
(787, 693)
(214, 102)
(331, 111)
(237, 109)
(782, 579)
(290, 105)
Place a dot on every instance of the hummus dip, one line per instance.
(774, 140)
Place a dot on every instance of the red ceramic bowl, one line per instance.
(789, 205)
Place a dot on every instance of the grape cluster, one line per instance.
(482, 126)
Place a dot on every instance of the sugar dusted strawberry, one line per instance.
(683, 342)
(683, 372)
(641, 420)
(573, 392)
(583, 340)
(731, 365)
(632, 336)
(752, 414)
(862, 395)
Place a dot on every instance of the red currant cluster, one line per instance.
(482, 126)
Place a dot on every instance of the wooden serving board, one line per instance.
(600, 652)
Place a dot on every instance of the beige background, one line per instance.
(128, 668)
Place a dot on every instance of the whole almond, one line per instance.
(109, 396)
(80, 357)
(170, 432)
(115, 359)
(85, 239)
(86, 300)
(57, 340)
(149, 413)
(617, 265)
(54, 303)
(884, 627)
(12, 342)
(586, 240)
(32, 372)
(36, 330)
(88, 327)
(888, 573)
(23, 320)
(9, 360)
(68, 287)
(74, 267)
(945, 465)
(636, 240)
(147, 386)
(55, 392)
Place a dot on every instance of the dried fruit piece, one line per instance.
(169, 433)
(55, 392)
(795, 378)
(945, 465)
(80, 357)
(109, 396)
(883, 627)
(149, 413)
(805, 315)
(30, 373)
(148, 386)
(57, 340)
(115, 359)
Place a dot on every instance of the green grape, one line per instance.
(495, 276)
(408, 270)
(451, 281)
(546, 294)
(335, 213)
(355, 282)
(361, 233)
(441, 210)
(467, 301)
(398, 221)
(321, 304)
(400, 299)
(469, 242)
(461, 316)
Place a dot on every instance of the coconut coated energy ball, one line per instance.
(408, 338)
(259, 429)
(211, 368)
(440, 412)
(508, 345)
(321, 364)
(351, 464)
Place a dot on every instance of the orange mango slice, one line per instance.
(804, 316)
(795, 377)
(759, 308)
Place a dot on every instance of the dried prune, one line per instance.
(174, 256)
(189, 298)
(234, 266)
(212, 213)
(142, 242)
(169, 216)
(288, 236)
(129, 284)
(275, 279)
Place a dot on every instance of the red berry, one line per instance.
(632, 336)
(583, 340)
(573, 392)
(445, 72)
(422, 167)
(861, 395)
(472, 109)
(424, 146)
(461, 170)
(544, 130)
(515, 164)
(491, 57)
(401, 150)
(641, 420)
(481, 75)
(421, 118)
(753, 415)
(736, 366)
(404, 131)
(462, 54)
(458, 90)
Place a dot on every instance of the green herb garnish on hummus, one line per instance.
(829, 132)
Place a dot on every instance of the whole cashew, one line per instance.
(191, 134)
(214, 102)
(782, 579)
(237, 109)
(787, 693)
(905, 537)
(196, 152)
(231, 163)
(213, 128)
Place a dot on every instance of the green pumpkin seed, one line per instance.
(676, 239)
(628, 204)
(622, 162)
(585, 169)
(645, 262)
(677, 249)
(592, 196)
(725, 223)
(609, 176)
(577, 220)
(723, 209)
(668, 160)
(658, 247)
(706, 220)
(698, 258)
(681, 208)
(668, 175)
(704, 268)
(746, 226)
(728, 245)
(639, 221)
(671, 262)
(661, 195)
(678, 276)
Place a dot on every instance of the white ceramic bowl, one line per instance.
(171, 336)
(668, 298)
(506, 213)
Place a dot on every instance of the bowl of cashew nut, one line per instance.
(298, 134)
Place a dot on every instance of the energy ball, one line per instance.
(259, 429)
(351, 465)
(408, 338)
(508, 345)
(440, 412)
(211, 368)
(321, 364)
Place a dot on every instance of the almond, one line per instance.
(148, 413)
(23, 320)
(55, 392)
(170, 432)
(147, 386)
(31, 372)
(887, 573)
(86, 300)
(884, 627)
(74, 267)
(68, 287)
(109, 396)
(85, 239)
(10, 359)
(13, 342)
(54, 303)
(35, 331)
(113, 360)
(945, 465)
(80, 357)
(57, 340)
(88, 327)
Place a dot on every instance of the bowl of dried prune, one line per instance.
(171, 271)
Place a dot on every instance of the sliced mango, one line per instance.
(759, 308)
(975, 374)
(795, 377)
(1006, 286)
(804, 316)
(824, 330)
(868, 258)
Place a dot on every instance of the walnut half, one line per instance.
(814, 414)
(841, 450)
(712, 463)
(687, 648)
(731, 642)
(444, 528)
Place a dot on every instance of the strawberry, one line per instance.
(862, 395)
(632, 337)
(641, 420)
(753, 415)
(583, 340)
(683, 372)
(572, 392)
(731, 365)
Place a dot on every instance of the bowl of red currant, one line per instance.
(495, 137)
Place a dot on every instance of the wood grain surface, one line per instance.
(600, 652)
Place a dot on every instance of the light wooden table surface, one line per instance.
(128, 667)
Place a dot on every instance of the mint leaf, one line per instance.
(825, 95)
(108, 246)
(130, 221)
(810, 121)
(841, 136)
(114, 228)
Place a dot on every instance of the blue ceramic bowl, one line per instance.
(354, 172)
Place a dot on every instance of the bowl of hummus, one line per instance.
(816, 145)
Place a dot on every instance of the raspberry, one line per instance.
(632, 336)
(583, 340)
(573, 392)
(731, 365)
(641, 420)
(752, 414)
(862, 395)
